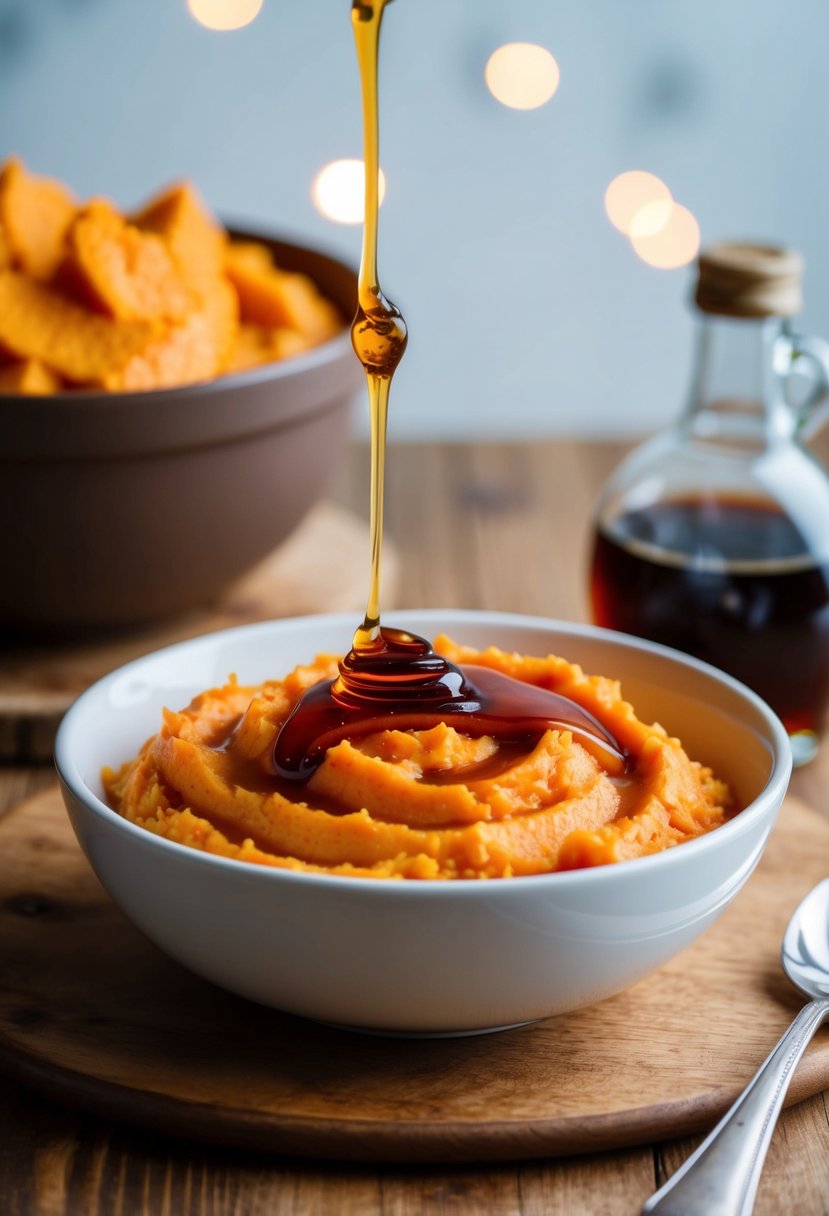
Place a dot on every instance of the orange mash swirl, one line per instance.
(425, 804)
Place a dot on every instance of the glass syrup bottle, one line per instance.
(713, 537)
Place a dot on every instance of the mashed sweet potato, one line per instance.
(417, 804)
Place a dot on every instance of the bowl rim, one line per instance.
(631, 870)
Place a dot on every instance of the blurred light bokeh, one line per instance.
(522, 75)
(224, 14)
(630, 194)
(529, 312)
(338, 190)
(665, 235)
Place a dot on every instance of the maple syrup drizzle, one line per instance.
(398, 682)
(378, 332)
(393, 679)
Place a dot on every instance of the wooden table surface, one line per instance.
(497, 526)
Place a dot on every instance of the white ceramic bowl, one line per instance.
(424, 957)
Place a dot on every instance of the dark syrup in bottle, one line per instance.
(729, 581)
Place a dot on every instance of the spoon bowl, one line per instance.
(722, 1176)
(805, 950)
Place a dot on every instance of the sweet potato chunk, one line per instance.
(29, 377)
(196, 349)
(256, 344)
(195, 240)
(36, 322)
(122, 271)
(35, 213)
(277, 299)
(252, 254)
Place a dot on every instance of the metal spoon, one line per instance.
(722, 1176)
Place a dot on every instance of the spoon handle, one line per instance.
(721, 1177)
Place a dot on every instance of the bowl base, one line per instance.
(425, 1034)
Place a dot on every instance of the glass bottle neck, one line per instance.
(737, 392)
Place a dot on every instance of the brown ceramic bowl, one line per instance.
(120, 508)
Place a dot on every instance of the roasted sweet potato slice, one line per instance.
(255, 345)
(198, 348)
(252, 254)
(126, 273)
(195, 239)
(37, 322)
(277, 299)
(35, 214)
(29, 377)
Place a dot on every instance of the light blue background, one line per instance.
(528, 313)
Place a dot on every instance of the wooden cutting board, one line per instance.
(92, 1014)
(323, 567)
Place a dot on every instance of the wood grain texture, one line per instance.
(94, 1014)
(797, 1164)
(498, 526)
(323, 567)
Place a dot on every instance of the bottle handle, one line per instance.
(810, 355)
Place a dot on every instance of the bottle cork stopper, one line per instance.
(746, 280)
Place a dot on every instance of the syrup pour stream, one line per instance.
(392, 679)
